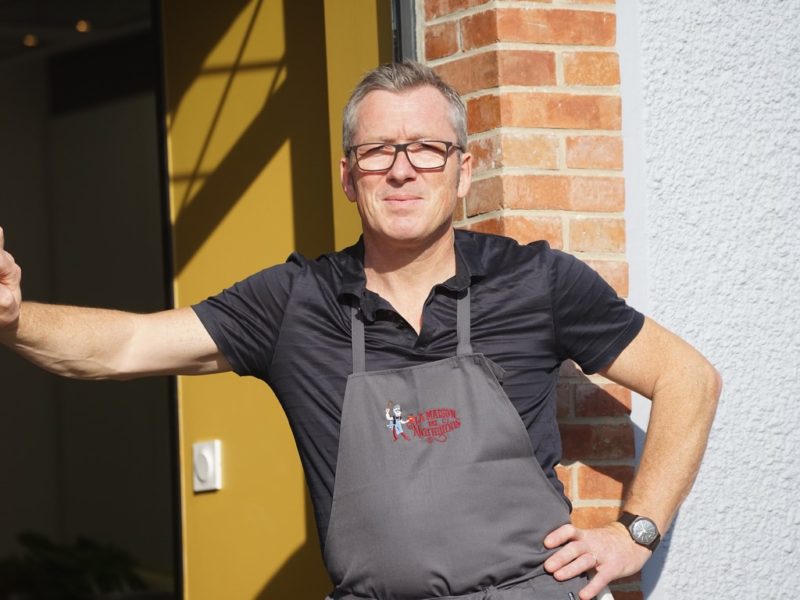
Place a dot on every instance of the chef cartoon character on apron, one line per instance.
(470, 514)
(394, 415)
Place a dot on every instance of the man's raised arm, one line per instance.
(89, 343)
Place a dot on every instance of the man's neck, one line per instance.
(404, 274)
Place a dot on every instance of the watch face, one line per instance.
(644, 531)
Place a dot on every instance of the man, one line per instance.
(464, 331)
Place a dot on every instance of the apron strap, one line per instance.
(462, 329)
(357, 341)
(463, 318)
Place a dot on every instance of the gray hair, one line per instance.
(400, 77)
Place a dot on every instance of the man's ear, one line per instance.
(346, 179)
(464, 175)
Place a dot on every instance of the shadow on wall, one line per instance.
(295, 110)
(304, 67)
(293, 579)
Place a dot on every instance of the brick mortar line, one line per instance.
(561, 154)
(581, 462)
(609, 6)
(555, 49)
(479, 174)
(420, 23)
(599, 462)
(619, 257)
(556, 5)
(481, 8)
(566, 224)
(559, 60)
(530, 212)
(482, 174)
(580, 501)
(603, 92)
(573, 480)
(566, 217)
(459, 39)
(548, 212)
(612, 133)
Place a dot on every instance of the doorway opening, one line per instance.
(90, 468)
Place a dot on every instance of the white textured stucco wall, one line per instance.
(711, 102)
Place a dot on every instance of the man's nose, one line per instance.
(402, 169)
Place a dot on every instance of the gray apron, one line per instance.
(438, 493)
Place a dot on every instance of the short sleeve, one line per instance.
(593, 325)
(244, 320)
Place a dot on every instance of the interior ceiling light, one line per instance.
(30, 40)
(83, 26)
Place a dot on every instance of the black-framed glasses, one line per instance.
(422, 154)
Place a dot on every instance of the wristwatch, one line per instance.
(643, 530)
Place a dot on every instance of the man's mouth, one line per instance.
(401, 198)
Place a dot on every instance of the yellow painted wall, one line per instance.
(354, 46)
(254, 96)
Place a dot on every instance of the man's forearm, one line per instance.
(684, 388)
(683, 408)
(95, 343)
(77, 342)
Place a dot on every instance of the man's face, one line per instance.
(404, 204)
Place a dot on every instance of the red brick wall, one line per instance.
(541, 83)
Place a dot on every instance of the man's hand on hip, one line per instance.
(609, 550)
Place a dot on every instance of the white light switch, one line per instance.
(207, 466)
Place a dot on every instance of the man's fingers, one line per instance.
(10, 277)
(561, 536)
(9, 271)
(594, 587)
(9, 308)
(580, 564)
(6, 297)
(564, 557)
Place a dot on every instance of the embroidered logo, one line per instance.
(431, 425)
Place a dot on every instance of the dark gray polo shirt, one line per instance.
(532, 308)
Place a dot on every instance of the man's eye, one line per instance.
(377, 150)
(427, 147)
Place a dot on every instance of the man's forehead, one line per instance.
(424, 94)
(417, 109)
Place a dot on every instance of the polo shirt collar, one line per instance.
(353, 283)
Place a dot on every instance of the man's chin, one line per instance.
(413, 236)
